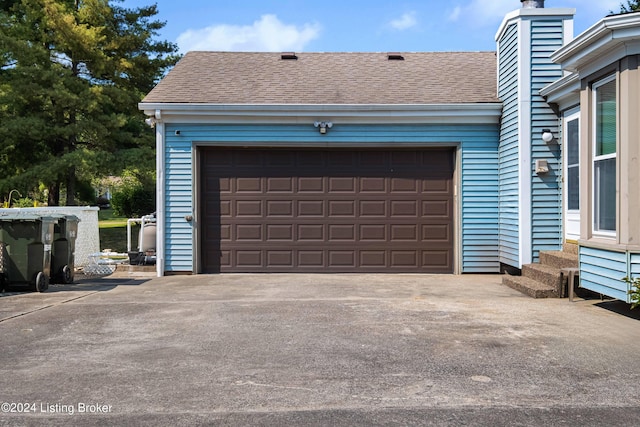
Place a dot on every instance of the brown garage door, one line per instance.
(286, 210)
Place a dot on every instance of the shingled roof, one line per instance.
(330, 78)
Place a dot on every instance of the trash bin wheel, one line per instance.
(41, 282)
(67, 275)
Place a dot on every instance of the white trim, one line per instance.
(481, 113)
(160, 191)
(606, 36)
(565, 92)
(566, 13)
(524, 143)
(595, 158)
(572, 215)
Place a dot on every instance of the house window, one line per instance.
(604, 159)
(573, 162)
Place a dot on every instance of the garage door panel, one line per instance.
(437, 208)
(249, 185)
(311, 185)
(252, 208)
(313, 208)
(310, 259)
(373, 232)
(280, 258)
(280, 185)
(323, 211)
(280, 232)
(404, 208)
(373, 208)
(342, 232)
(280, 208)
(341, 208)
(373, 185)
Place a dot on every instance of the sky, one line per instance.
(347, 25)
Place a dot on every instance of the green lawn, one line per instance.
(113, 232)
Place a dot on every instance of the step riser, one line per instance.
(513, 283)
(551, 279)
(558, 261)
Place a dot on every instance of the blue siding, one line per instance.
(478, 195)
(509, 155)
(602, 271)
(546, 194)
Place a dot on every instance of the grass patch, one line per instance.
(113, 232)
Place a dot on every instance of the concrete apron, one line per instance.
(314, 349)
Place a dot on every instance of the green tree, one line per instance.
(631, 6)
(71, 75)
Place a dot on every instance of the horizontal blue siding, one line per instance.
(509, 155)
(478, 194)
(546, 194)
(602, 271)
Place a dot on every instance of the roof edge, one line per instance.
(296, 113)
(600, 37)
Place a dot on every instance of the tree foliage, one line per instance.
(631, 6)
(71, 75)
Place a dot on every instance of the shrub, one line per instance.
(133, 200)
(634, 291)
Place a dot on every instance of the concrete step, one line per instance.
(559, 259)
(530, 287)
(545, 274)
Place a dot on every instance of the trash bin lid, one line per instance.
(10, 217)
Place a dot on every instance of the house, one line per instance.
(430, 162)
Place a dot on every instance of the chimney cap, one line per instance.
(532, 4)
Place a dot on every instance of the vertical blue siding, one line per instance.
(602, 271)
(509, 155)
(478, 194)
(546, 194)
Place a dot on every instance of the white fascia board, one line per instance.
(563, 12)
(480, 113)
(565, 92)
(602, 37)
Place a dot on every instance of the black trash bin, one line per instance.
(25, 251)
(64, 248)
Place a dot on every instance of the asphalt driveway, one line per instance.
(315, 350)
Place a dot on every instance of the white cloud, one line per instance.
(405, 22)
(483, 13)
(268, 34)
(455, 14)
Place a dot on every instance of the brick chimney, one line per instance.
(532, 4)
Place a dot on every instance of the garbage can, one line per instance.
(25, 251)
(64, 248)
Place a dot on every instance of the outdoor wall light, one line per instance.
(323, 126)
(547, 136)
(150, 122)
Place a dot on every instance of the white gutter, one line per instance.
(298, 113)
(597, 40)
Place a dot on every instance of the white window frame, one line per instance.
(570, 116)
(595, 158)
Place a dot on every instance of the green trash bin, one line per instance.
(25, 251)
(64, 248)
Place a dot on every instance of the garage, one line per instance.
(326, 211)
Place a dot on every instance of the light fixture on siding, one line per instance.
(547, 136)
(323, 126)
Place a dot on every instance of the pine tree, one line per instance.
(71, 75)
